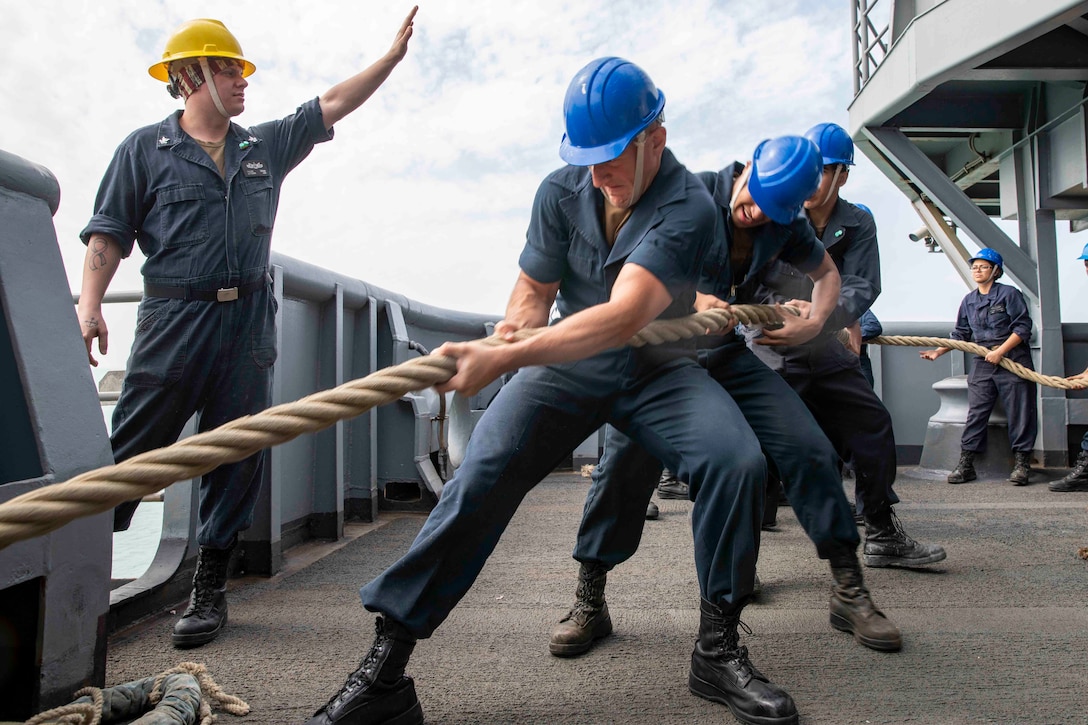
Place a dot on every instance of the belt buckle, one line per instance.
(226, 294)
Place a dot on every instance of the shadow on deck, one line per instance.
(997, 633)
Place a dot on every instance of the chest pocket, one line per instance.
(184, 216)
(587, 267)
(998, 318)
(788, 282)
(258, 193)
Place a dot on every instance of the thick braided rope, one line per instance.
(46, 509)
(90, 713)
(81, 713)
(1051, 381)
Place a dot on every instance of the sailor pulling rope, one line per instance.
(48, 508)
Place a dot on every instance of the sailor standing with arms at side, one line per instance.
(199, 194)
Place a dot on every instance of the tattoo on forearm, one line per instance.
(98, 254)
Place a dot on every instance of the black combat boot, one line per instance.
(1021, 469)
(206, 614)
(378, 692)
(887, 544)
(965, 469)
(1077, 480)
(721, 672)
(671, 487)
(588, 619)
(652, 511)
(852, 609)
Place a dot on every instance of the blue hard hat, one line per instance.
(835, 144)
(785, 171)
(988, 255)
(1084, 253)
(608, 103)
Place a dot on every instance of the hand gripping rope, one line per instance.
(48, 508)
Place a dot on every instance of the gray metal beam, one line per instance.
(946, 238)
(955, 204)
(1038, 236)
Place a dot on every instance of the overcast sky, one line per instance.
(426, 189)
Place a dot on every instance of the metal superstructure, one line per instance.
(975, 109)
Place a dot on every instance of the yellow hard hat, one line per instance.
(203, 37)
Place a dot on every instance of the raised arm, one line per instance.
(346, 96)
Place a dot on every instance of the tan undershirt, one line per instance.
(217, 152)
(614, 220)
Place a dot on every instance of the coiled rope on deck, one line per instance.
(46, 509)
(197, 693)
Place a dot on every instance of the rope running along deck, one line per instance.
(50, 507)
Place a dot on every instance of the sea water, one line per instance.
(133, 550)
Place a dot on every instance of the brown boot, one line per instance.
(588, 619)
(852, 609)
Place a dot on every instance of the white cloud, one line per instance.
(426, 190)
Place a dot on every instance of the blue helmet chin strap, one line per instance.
(738, 186)
(833, 188)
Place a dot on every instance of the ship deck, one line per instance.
(997, 633)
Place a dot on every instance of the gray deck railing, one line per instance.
(870, 22)
(330, 329)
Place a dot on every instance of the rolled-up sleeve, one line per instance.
(1019, 316)
(295, 136)
(118, 208)
(544, 257)
(962, 331)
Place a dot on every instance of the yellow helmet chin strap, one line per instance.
(209, 81)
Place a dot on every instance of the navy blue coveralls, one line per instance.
(201, 232)
(870, 328)
(823, 371)
(988, 320)
(658, 395)
(787, 432)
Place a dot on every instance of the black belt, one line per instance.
(223, 294)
